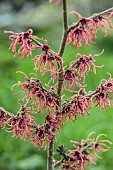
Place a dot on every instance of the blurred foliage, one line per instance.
(22, 155)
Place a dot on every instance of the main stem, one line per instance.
(60, 78)
(62, 47)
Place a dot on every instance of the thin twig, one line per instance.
(36, 41)
(40, 44)
(50, 155)
(95, 15)
(65, 29)
(2, 111)
(56, 164)
(62, 46)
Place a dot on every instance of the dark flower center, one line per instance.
(109, 84)
(45, 48)
(26, 35)
(78, 31)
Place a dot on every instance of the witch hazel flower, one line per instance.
(108, 85)
(86, 149)
(40, 97)
(86, 29)
(57, 1)
(78, 70)
(79, 104)
(102, 100)
(102, 21)
(84, 152)
(38, 137)
(20, 124)
(46, 132)
(81, 33)
(103, 97)
(51, 125)
(78, 36)
(92, 24)
(47, 60)
(82, 65)
(71, 77)
(100, 145)
(23, 41)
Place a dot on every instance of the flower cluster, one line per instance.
(82, 102)
(86, 29)
(26, 42)
(23, 125)
(37, 94)
(82, 65)
(47, 131)
(19, 125)
(85, 152)
(47, 60)
(103, 97)
(78, 104)
(78, 70)
(23, 40)
(57, 1)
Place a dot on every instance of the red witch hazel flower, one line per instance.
(81, 33)
(102, 21)
(86, 29)
(23, 125)
(85, 152)
(82, 64)
(78, 70)
(103, 97)
(46, 132)
(20, 125)
(47, 60)
(57, 1)
(78, 37)
(72, 77)
(38, 95)
(79, 104)
(23, 41)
